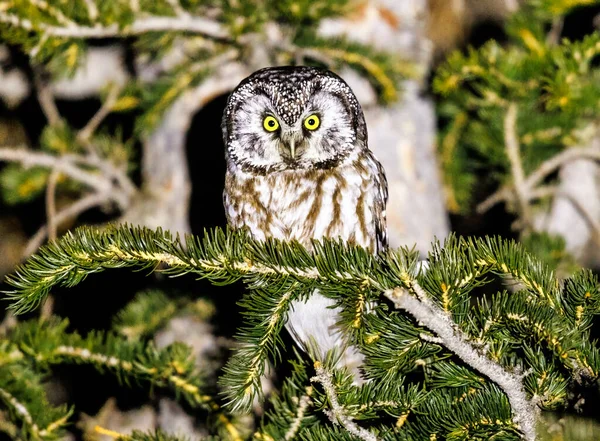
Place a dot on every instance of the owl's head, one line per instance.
(292, 118)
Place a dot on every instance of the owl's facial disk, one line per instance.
(264, 138)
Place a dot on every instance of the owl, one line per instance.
(299, 167)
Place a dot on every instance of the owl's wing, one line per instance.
(381, 188)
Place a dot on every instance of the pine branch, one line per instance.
(552, 83)
(92, 125)
(242, 375)
(23, 395)
(48, 343)
(138, 435)
(145, 314)
(394, 344)
(303, 404)
(430, 316)
(220, 257)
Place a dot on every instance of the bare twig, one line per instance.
(46, 99)
(9, 322)
(502, 195)
(338, 415)
(553, 37)
(47, 308)
(111, 171)
(537, 177)
(92, 125)
(543, 191)
(177, 8)
(505, 195)
(551, 165)
(84, 204)
(92, 9)
(29, 158)
(67, 166)
(434, 319)
(198, 25)
(513, 152)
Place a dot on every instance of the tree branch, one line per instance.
(434, 319)
(43, 5)
(20, 409)
(29, 158)
(502, 195)
(92, 125)
(73, 210)
(92, 9)
(110, 170)
(551, 165)
(337, 414)
(542, 172)
(183, 23)
(514, 156)
(46, 99)
(65, 165)
(553, 37)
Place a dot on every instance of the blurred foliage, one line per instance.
(554, 85)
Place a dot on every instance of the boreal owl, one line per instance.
(299, 167)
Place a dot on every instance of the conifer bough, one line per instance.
(481, 368)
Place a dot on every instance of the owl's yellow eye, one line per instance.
(270, 124)
(312, 122)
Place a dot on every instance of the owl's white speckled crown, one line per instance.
(290, 87)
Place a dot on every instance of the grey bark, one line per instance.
(402, 135)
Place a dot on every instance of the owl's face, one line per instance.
(292, 118)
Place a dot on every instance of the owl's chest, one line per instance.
(301, 205)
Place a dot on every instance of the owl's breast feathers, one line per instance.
(347, 202)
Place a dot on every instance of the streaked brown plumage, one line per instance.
(294, 183)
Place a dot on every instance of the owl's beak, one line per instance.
(292, 148)
(292, 144)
